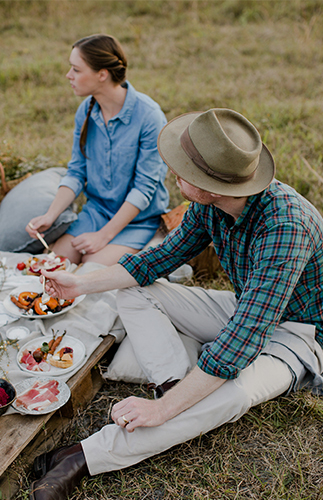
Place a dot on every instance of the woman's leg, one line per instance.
(109, 255)
(63, 246)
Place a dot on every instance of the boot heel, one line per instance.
(40, 467)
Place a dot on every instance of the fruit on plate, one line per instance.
(34, 265)
(64, 358)
(26, 298)
(31, 303)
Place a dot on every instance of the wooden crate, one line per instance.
(23, 437)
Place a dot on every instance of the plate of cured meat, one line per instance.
(55, 354)
(40, 396)
(26, 302)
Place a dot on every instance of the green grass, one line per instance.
(261, 58)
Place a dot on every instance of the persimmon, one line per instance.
(25, 298)
(37, 308)
(52, 303)
(68, 302)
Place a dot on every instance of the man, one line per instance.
(258, 343)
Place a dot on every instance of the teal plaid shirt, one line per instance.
(273, 255)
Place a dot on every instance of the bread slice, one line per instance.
(65, 362)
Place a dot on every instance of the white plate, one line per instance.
(40, 256)
(68, 341)
(63, 396)
(36, 287)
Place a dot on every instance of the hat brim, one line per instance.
(174, 156)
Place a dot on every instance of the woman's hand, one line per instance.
(40, 224)
(135, 412)
(90, 242)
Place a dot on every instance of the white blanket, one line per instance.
(89, 321)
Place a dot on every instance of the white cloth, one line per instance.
(152, 317)
(92, 319)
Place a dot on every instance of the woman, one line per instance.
(115, 160)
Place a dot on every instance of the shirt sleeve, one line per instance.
(76, 174)
(277, 260)
(149, 166)
(181, 245)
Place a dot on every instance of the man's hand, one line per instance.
(61, 284)
(138, 412)
(65, 285)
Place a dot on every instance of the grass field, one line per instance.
(261, 58)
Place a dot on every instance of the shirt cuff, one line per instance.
(207, 363)
(72, 183)
(138, 268)
(138, 199)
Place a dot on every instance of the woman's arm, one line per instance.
(93, 242)
(64, 197)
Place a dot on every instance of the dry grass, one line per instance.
(273, 452)
(262, 58)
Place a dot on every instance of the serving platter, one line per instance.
(63, 395)
(42, 256)
(35, 287)
(78, 347)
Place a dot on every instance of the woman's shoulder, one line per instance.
(142, 99)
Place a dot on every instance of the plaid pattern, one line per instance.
(273, 255)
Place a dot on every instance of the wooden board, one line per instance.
(18, 433)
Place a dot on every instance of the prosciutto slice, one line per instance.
(31, 364)
(39, 395)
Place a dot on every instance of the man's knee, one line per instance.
(134, 299)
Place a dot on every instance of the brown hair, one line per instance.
(101, 52)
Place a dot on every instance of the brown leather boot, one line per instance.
(68, 468)
(43, 463)
(159, 390)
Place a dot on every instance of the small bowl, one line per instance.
(182, 274)
(17, 332)
(11, 391)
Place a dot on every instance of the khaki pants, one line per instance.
(152, 315)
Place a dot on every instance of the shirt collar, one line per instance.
(125, 113)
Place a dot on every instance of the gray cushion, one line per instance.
(28, 199)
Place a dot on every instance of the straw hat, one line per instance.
(218, 151)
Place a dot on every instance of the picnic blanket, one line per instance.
(89, 321)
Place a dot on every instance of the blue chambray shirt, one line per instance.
(273, 255)
(123, 162)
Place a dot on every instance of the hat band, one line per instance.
(198, 160)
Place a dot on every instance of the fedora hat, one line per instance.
(218, 151)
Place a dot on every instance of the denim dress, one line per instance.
(122, 163)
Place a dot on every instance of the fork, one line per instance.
(51, 253)
(45, 297)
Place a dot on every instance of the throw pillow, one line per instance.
(28, 199)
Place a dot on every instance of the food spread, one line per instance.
(41, 358)
(4, 398)
(34, 265)
(31, 303)
(39, 395)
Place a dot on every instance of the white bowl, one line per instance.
(182, 274)
(17, 332)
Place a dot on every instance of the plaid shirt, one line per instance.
(273, 255)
